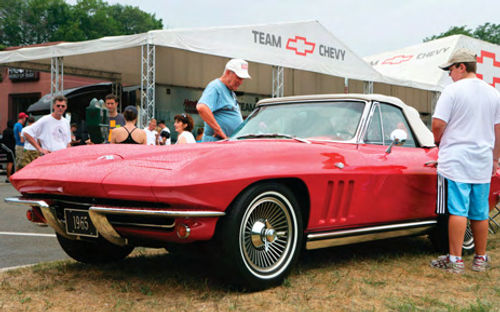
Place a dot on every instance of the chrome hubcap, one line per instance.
(267, 233)
(263, 234)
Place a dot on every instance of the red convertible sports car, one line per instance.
(301, 172)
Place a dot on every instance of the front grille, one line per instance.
(91, 201)
(60, 203)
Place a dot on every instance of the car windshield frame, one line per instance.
(237, 135)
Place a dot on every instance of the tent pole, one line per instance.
(116, 89)
(278, 81)
(434, 98)
(148, 78)
(56, 77)
(367, 87)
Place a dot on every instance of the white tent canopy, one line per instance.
(418, 64)
(299, 45)
(305, 45)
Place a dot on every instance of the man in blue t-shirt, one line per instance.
(218, 106)
(18, 127)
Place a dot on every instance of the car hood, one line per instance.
(152, 173)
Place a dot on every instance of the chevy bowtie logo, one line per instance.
(300, 45)
(398, 59)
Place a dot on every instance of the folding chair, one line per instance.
(8, 150)
(494, 219)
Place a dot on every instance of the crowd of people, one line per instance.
(26, 140)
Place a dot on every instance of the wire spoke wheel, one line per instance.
(261, 237)
(268, 235)
(440, 240)
(468, 238)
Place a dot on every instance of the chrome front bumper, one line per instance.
(98, 215)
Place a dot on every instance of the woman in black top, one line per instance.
(128, 134)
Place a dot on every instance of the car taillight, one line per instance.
(35, 215)
(182, 230)
(29, 215)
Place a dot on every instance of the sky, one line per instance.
(367, 27)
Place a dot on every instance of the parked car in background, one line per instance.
(301, 172)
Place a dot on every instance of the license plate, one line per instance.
(78, 223)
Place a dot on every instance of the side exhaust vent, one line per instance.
(337, 202)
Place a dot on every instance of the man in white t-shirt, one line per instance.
(52, 131)
(151, 133)
(466, 127)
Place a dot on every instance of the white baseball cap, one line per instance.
(460, 56)
(239, 67)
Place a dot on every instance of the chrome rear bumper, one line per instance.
(98, 215)
(48, 213)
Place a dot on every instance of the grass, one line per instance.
(391, 275)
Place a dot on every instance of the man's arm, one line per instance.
(157, 137)
(496, 149)
(207, 116)
(438, 127)
(35, 143)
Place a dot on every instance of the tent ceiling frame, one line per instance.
(148, 79)
(56, 77)
(117, 89)
(278, 81)
(76, 71)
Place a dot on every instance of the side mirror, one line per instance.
(398, 138)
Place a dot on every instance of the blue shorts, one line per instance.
(468, 199)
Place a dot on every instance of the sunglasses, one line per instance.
(60, 106)
(453, 66)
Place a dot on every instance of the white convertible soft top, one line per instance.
(423, 135)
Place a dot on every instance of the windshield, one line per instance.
(336, 121)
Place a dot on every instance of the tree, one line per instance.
(487, 32)
(26, 22)
(42, 20)
(10, 27)
(133, 21)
